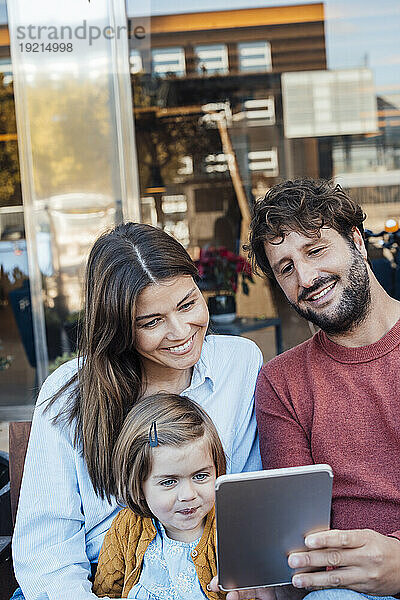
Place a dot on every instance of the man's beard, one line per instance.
(354, 304)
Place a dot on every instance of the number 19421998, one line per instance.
(42, 47)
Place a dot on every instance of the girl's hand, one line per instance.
(256, 594)
(285, 592)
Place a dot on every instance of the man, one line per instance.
(335, 398)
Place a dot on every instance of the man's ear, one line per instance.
(359, 242)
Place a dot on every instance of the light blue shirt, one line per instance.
(168, 572)
(61, 522)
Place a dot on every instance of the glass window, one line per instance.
(167, 61)
(329, 103)
(135, 60)
(297, 94)
(212, 59)
(6, 70)
(254, 56)
(216, 163)
(264, 160)
(17, 353)
(186, 167)
(257, 112)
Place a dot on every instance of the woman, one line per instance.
(144, 331)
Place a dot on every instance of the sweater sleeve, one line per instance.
(284, 441)
(109, 580)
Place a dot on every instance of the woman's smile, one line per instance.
(171, 323)
(183, 348)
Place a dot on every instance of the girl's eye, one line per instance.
(201, 476)
(168, 482)
(187, 305)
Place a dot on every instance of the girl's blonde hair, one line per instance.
(178, 421)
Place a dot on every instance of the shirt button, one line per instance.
(194, 553)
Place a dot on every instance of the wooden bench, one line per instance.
(18, 442)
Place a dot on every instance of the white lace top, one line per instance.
(168, 572)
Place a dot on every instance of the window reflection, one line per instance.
(254, 56)
(296, 99)
(211, 59)
(300, 90)
(168, 61)
(227, 75)
(136, 63)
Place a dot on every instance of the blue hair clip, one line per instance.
(153, 438)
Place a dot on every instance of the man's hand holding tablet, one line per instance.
(357, 559)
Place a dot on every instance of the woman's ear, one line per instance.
(359, 242)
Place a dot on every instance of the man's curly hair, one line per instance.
(302, 205)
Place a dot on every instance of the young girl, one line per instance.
(162, 546)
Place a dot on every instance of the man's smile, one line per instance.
(322, 293)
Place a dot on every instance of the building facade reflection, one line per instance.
(250, 76)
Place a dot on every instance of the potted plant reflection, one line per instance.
(222, 271)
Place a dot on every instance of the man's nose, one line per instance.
(306, 274)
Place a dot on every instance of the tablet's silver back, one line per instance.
(262, 517)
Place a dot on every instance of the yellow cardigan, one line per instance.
(125, 544)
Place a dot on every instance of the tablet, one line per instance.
(264, 516)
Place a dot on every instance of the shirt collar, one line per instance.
(161, 530)
(203, 369)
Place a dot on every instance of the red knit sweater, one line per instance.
(325, 403)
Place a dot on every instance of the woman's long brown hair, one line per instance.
(121, 264)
